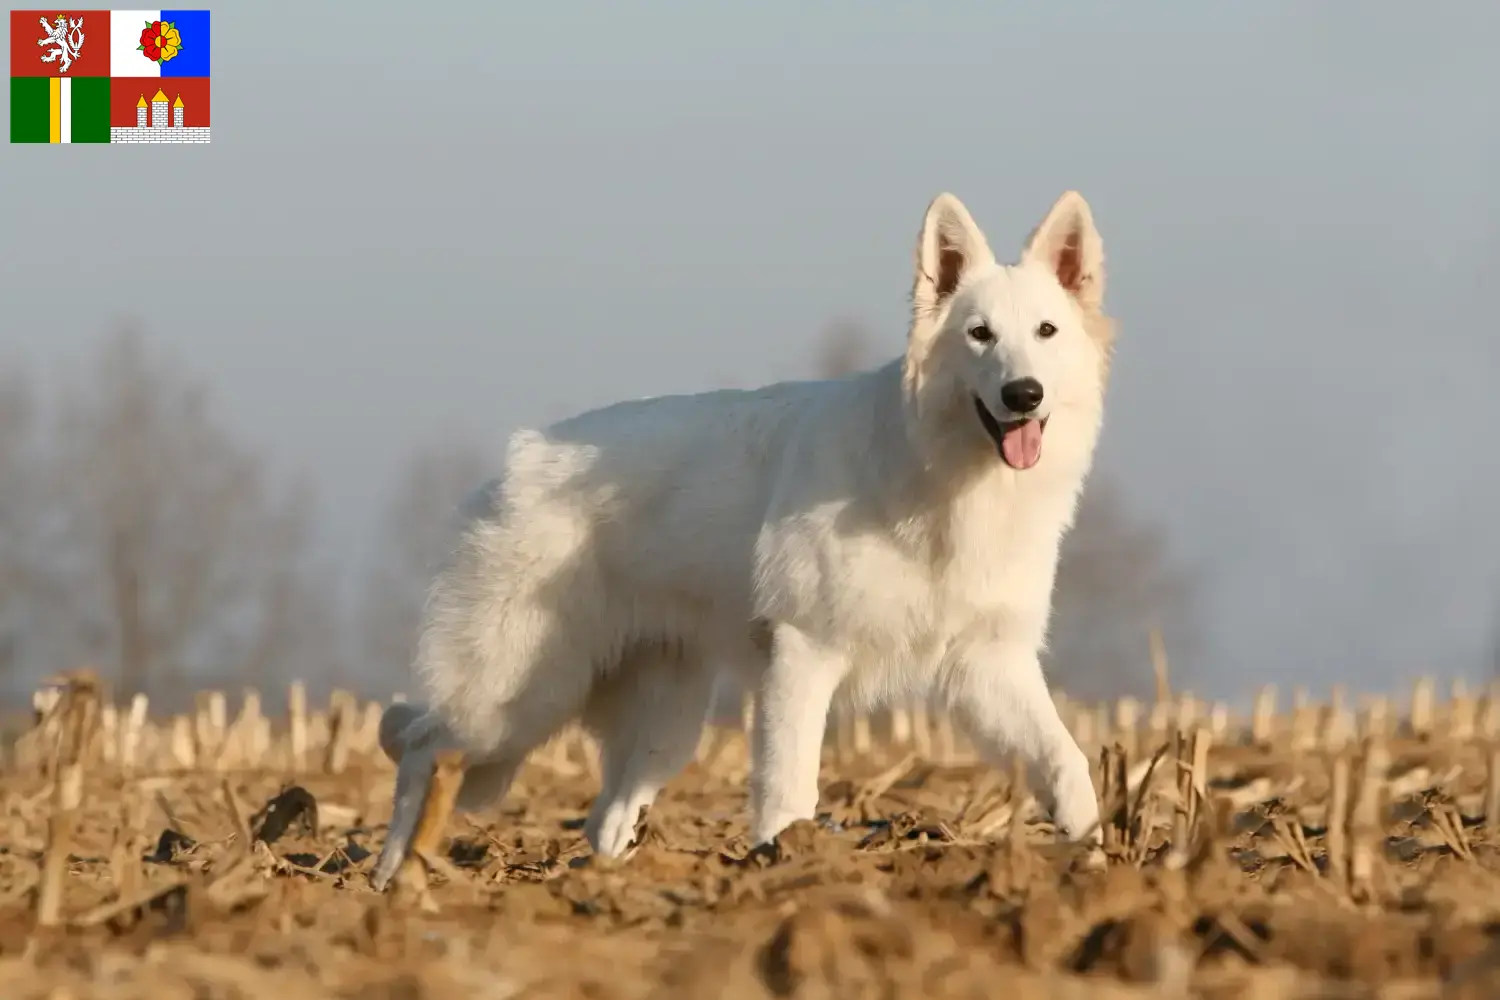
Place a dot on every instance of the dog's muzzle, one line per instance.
(1019, 442)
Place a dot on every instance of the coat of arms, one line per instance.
(65, 37)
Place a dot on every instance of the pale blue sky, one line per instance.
(495, 215)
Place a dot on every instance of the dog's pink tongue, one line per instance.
(1021, 445)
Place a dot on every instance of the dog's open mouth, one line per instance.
(1018, 441)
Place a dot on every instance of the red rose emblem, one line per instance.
(151, 41)
(160, 41)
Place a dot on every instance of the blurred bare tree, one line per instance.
(179, 559)
(419, 530)
(23, 582)
(1116, 579)
(1495, 648)
(843, 350)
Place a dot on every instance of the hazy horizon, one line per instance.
(392, 240)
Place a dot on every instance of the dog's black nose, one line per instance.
(1021, 396)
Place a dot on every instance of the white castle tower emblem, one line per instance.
(160, 120)
(159, 112)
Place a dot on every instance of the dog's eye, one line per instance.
(981, 334)
(1045, 330)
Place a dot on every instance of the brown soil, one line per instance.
(922, 881)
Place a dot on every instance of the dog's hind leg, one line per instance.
(647, 716)
(502, 728)
(412, 739)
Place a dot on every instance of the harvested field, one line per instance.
(1322, 853)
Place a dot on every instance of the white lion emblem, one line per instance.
(66, 35)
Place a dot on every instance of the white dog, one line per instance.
(891, 531)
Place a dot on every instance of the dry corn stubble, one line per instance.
(1284, 856)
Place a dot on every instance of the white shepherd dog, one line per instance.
(893, 531)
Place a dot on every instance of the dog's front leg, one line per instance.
(1001, 700)
(791, 713)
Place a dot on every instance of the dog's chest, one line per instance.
(980, 561)
(903, 598)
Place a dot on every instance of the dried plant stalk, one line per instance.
(296, 707)
(1160, 668)
(862, 741)
(341, 722)
(77, 714)
(1421, 707)
(1203, 740)
(1182, 818)
(1263, 721)
(1489, 716)
(1114, 794)
(921, 730)
(1364, 820)
(900, 725)
(1338, 824)
(1127, 723)
(1492, 789)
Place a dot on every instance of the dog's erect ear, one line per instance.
(1069, 246)
(950, 245)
